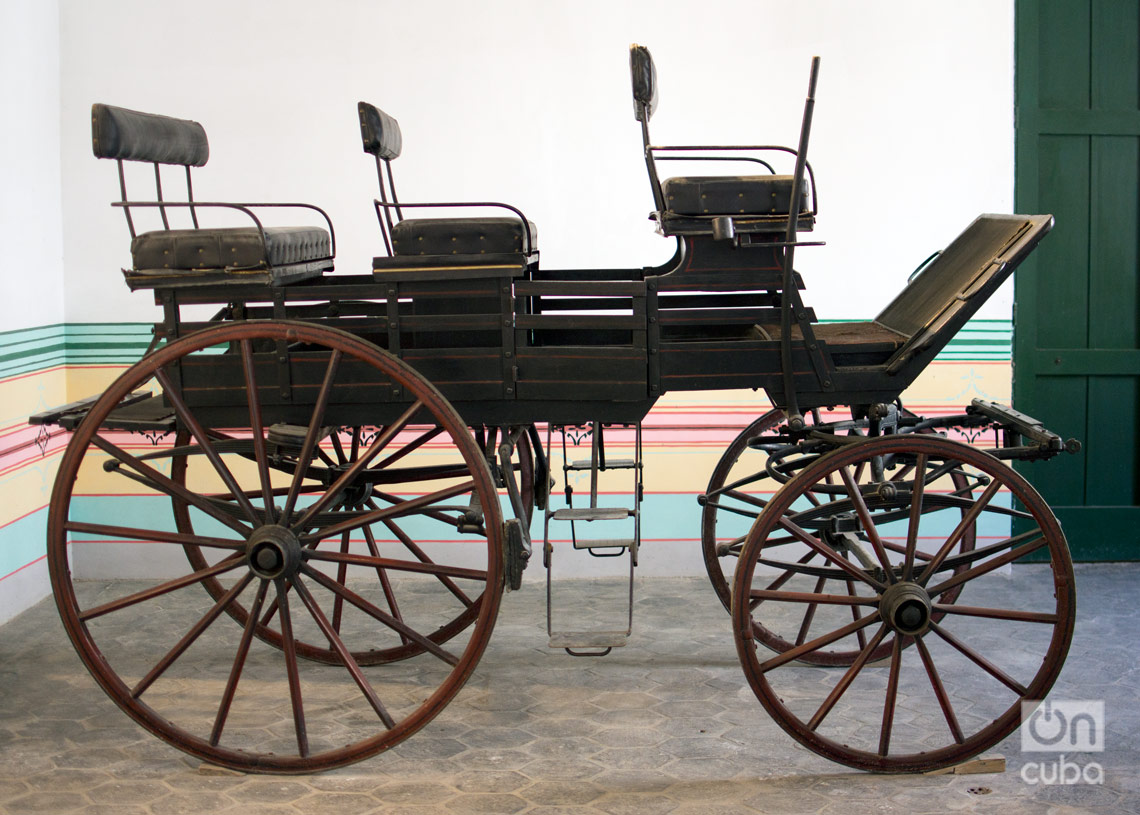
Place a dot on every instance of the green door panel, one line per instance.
(1076, 343)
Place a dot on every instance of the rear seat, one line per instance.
(274, 255)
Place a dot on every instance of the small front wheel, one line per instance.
(891, 518)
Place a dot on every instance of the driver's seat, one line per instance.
(689, 205)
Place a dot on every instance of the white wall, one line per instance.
(529, 103)
(31, 264)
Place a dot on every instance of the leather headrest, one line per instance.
(644, 75)
(134, 136)
(379, 131)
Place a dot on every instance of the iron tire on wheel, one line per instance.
(958, 689)
(215, 692)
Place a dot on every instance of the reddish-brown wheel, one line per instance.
(898, 541)
(751, 470)
(730, 503)
(422, 453)
(331, 555)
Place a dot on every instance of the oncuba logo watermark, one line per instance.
(1065, 727)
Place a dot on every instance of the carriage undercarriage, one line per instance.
(352, 467)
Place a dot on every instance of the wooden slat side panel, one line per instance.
(612, 373)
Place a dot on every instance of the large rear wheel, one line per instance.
(352, 548)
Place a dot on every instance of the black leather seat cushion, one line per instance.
(233, 248)
(730, 195)
(462, 236)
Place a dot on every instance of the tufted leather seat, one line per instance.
(235, 248)
(471, 237)
(461, 236)
(688, 205)
(730, 195)
(192, 257)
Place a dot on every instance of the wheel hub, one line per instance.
(274, 552)
(906, 607)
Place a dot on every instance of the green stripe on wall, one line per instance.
(35, 349)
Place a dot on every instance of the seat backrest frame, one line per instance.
(130, 135)
(643, 76)
(381, 137)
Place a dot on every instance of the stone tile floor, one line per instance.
(664, 725)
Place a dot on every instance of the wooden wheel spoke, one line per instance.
(734, 510)
(809, 612)
(758, 596)
(422, 556)
(861, 634)
(730, 547)
(979, 660)
(396, 565)
(368, 608)
(814, 598)
(410, 447)
(409, 507)
(152, 535)
(161, 483)
(987, 567)
(257, 430)
(190, 637)
(385, 583)
(338, 645)
(940, 692)
(868, 524)
(312, 436)
(232, 562)
(342, 578)
(892, 696)
(205, 442)
(966, 523)
(745, 498)
(289, 648)
(848, 677)
(829, 553)
(338, 447)
(793, 654)
(998, 613)
(915, 515)
(901, 549)
(359, 462)
(238, 665)
(354, 448)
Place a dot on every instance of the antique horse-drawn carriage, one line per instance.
(350, 465)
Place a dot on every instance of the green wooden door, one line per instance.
(1077, 312)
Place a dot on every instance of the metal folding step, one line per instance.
(591, 514)
(596, 642)
(604, 543)
(615, 464)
